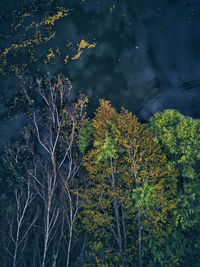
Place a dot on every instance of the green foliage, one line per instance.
(85, 136)
(179, 136)
(143, 197)
(108, 149)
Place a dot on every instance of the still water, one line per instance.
(146, 58)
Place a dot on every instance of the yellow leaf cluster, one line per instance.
(60, 14)
(50, 55)
(83, 44)
(66, 59)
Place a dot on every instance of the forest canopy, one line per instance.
(91, 186)
(99, 190)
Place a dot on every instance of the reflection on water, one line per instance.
(146, 56)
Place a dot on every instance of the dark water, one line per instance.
(147, 54)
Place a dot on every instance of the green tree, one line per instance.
(179, 136)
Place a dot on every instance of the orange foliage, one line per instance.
(125, 156)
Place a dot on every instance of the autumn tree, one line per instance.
(130, 188)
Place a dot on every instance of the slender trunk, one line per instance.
(46, 238)
(118, 226)
(20, 218)
(16, 246)
(54, 260)
(45, 251)
(139, 240)
(50, 191)
(71, 225)
(124, 227)
(116, 212)
(55, 255)
(69, 245)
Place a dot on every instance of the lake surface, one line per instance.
(147, 54)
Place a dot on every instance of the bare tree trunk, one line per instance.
(55, 254)
(74, 204)
(69, 245)
(46, 238)
(70, 223)
(23, 201)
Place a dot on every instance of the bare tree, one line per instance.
(45, 165)
(56, 129)
(20, 223)
(20, 218)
